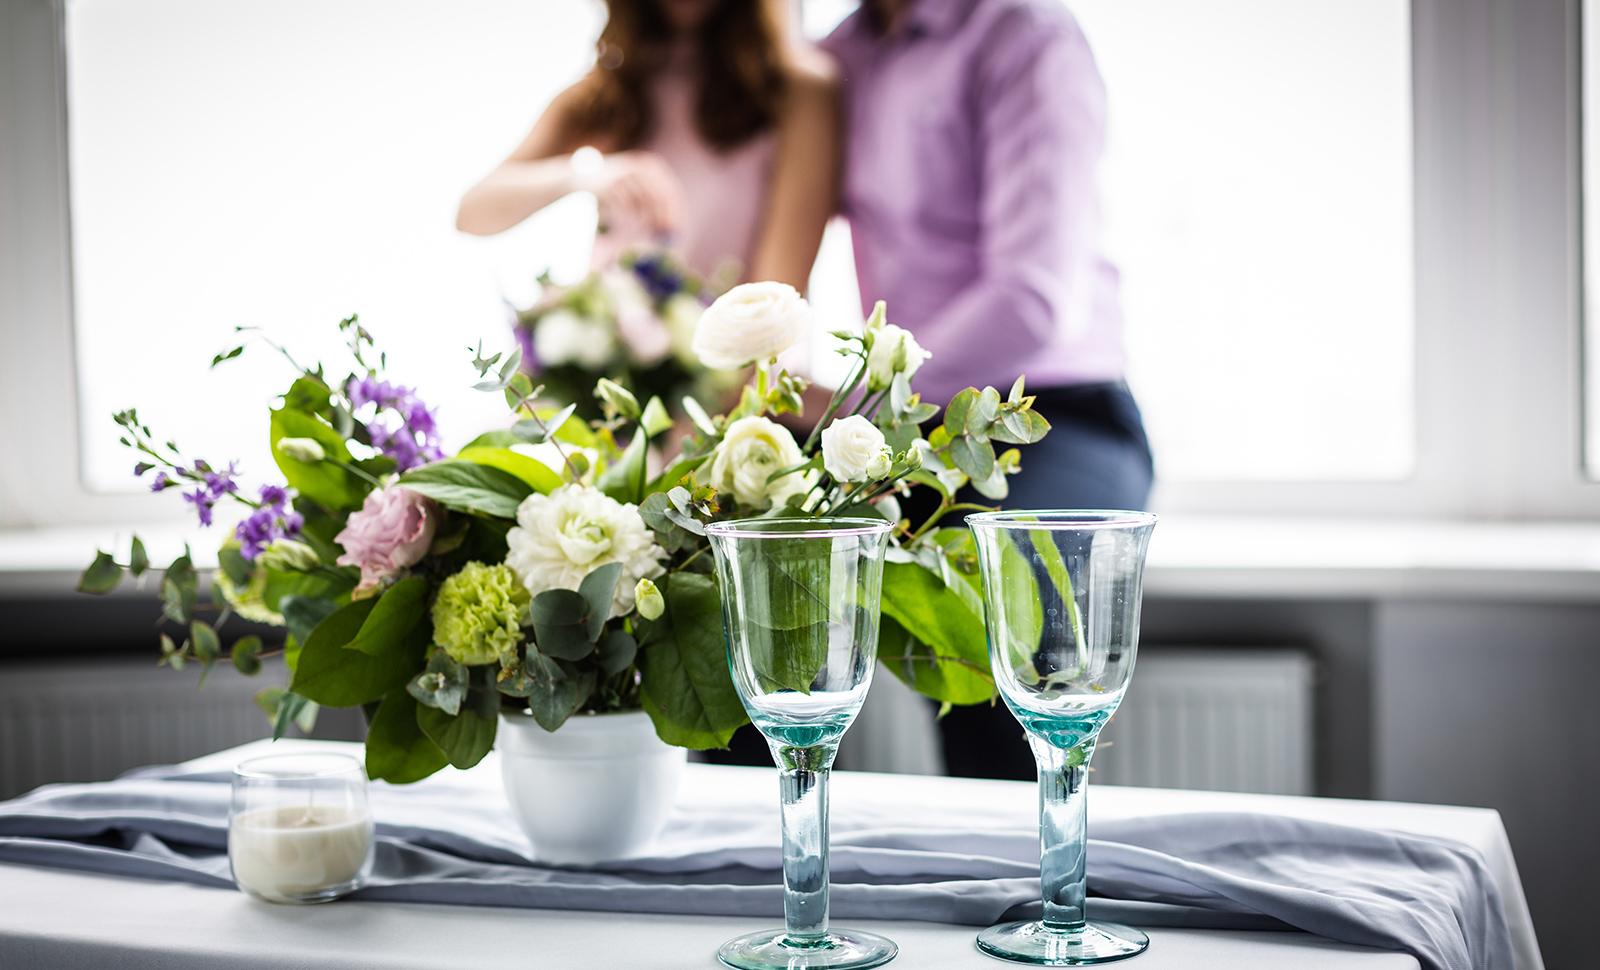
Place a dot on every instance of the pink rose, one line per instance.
(391, 532)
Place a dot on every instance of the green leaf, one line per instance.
(686, 686)
(401, 612)
(292, 709)
(235, 566)
(974, 457)
(538, 477)
(331, 675)
(561, 622)
(984, 411)
(675, 473)
(464, 738)
(470, 487)
(301, 614)
(102, 576)
(598, 588)
(177, 601)
(397, 749)
(227, 355)
(309, 395)
(246, 655)
(955, 413)
(138, 560)
(1019, 427)
(617, 651)
(323, 482)
(206, 644)
(624, 478)
(494, 439)
(332, 585)
(555, 696)
(443, 684)
(947, 657)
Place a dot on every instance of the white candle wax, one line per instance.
(296, 852)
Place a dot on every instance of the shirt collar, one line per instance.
(937, 18)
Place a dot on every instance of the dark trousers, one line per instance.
(1096, 456)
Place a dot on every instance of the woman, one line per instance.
(713, 136)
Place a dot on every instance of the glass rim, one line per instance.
(256, 767)
(785, 527)
(1061, 520)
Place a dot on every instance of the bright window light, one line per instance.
(1258, 202)
(285, 163)
(1591, 236)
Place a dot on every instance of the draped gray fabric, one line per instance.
(446, 842)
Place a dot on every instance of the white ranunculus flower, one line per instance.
(751, 322)
(853, 450)
(563, 337)
(562, 537)
(751, 449)
(894, 351)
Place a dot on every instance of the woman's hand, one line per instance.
(637, 190)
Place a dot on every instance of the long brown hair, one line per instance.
(740, 72)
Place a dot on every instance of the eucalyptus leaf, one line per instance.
(555, 696)
(443, 684)
(599, 587)
(617, 650)
(207, 646)
(102, 576)
(292, 709)
(138, 559)
(177, 602)
(246, 655)
(973, 457)
(561, 623)
(397, 749)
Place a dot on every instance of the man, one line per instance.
(974, 131)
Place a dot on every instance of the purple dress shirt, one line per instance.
(974, 135)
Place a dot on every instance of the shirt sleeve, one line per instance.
(1040, 126)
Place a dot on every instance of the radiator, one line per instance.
(1225, 720)
(93, 720)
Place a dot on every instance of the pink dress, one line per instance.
(724, 193)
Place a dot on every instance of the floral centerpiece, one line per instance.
(632, 323)
(435, 591)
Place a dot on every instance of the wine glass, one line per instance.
(800, 612)
(1061, 596)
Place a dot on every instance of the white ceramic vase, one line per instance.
(596, 790)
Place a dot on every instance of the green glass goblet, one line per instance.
(800, 612)
(1061, 601)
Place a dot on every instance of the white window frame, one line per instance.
(1499, 382)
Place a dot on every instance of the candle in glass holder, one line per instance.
(300, 831)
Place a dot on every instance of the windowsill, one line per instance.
(1190, 556)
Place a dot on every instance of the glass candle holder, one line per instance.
(800, 613)
(1061, 594)
(299, 830)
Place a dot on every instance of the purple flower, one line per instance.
(530, 357)
(202, 502)
(412, 440)
(657, 277)
(269, 523)
(160, 482)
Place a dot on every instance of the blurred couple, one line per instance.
(960, 138)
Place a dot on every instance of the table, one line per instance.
(65, 920)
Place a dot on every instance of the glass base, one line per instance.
(773, 950)
(1032, 942)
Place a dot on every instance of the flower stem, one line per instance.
(839, 396)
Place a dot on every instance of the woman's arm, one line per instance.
(805, 181)
(540, 171)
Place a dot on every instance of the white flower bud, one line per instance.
(301, 449)
(649, 601)
(854, 450)
(894, 351)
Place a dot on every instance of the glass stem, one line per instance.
(1063, 832)
(803, 783)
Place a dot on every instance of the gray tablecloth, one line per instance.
(451, 840)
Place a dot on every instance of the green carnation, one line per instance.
(477, 617)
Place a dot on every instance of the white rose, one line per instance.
(894, 351)
(564, 536)
(853, 450)
(751, 322)
(751, 449)
(563, 337)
